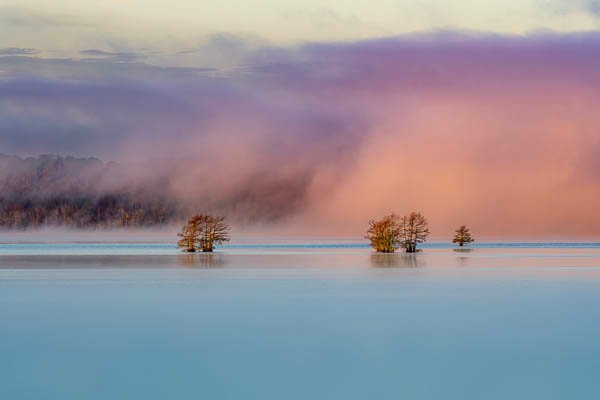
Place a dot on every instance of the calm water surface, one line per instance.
(318, 321)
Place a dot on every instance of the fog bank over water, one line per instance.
(270, 235)
(497, 132)
(64, 235)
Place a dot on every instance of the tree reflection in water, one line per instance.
(201, 260)
(396, 260)
(463, 259)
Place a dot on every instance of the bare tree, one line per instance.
(414, 229)
(213, 231)
(462, 236)
(190, 234)
(384, 234)
(203, 232)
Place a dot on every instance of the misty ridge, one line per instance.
(52, 190)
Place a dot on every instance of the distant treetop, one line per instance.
(463, 236)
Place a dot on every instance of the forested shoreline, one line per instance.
(65, 191)
(48, 190)
(109, 211)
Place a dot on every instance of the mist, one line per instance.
(496, 132)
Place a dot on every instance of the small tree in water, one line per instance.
(190, 234)
(462, 236)
(203, 232)
(384, 234)
(213, 231)
(414, 229)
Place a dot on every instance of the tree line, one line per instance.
(49, 190)
(108, 211)
(53, 190)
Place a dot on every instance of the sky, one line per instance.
(64, 27)
(474, 112)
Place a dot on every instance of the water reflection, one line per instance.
(463, 250)
(201, 260)
(463, 256)
(396, 260)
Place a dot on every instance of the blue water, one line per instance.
(170, 248)
(131, 321)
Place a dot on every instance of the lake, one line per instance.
(309, 320)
